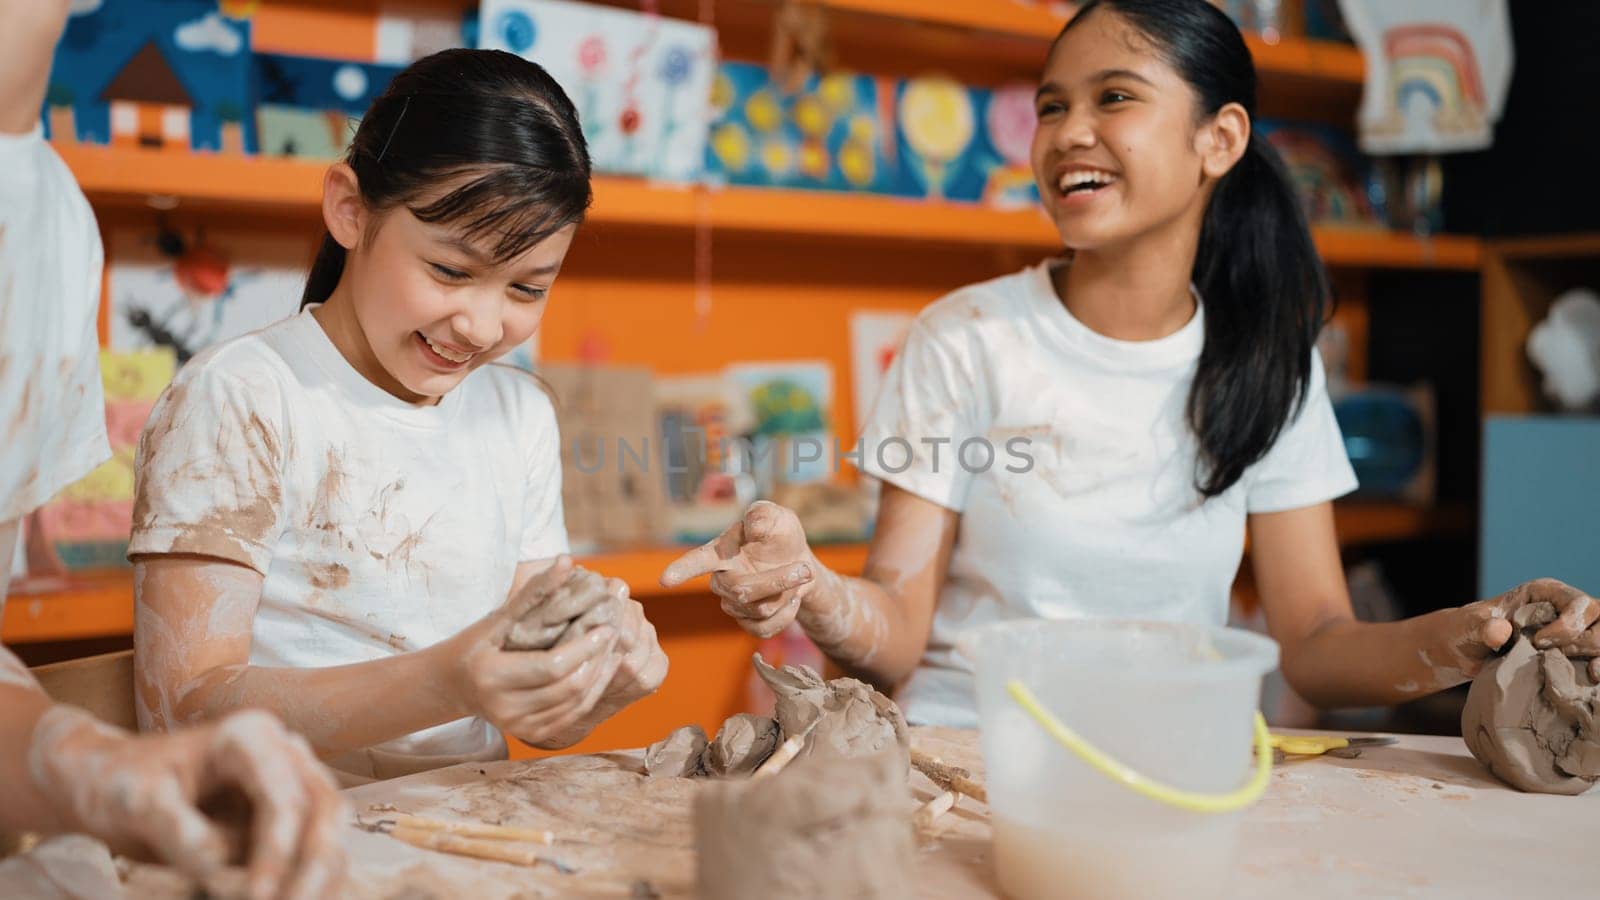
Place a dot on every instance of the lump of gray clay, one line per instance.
(742, 744)
(678, 755)
(1531, 715)
(581, 602)
(845, 716)
(826, 826)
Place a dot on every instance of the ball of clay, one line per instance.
(824, 827)
(1530, 715)
(742, 744)
(678, 755)
(581, 602)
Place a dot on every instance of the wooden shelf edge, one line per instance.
(120, 176)
(1360, 522)
(101, 604)
(1299, 57)
(1555, 246)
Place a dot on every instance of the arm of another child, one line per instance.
(192, 647)
(1334, 660)
(27, 43)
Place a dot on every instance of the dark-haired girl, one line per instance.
(1094, 436)
(332, 512)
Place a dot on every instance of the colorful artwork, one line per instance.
(831, 135)
(187, 291)
(88, 522)
(791, 439)
(1011, 122)
(1335, 181)
(158, 74)
(309, 107)
(1437, 73)
(875, 340)
(965, 144)
(641, 83)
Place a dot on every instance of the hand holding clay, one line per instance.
(150, 794)
(534, 695)
(1478, 630)
(761, 568)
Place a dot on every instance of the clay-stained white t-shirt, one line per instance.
(52, 409)
(1088, 508)
(380, 526)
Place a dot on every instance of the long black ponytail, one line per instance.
(1265, 290)
(495, 126)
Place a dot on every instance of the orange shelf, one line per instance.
(130, 177)
(101, 604)
(1306, 59)
(1372, 521)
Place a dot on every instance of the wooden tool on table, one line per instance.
(947, 777)
(952, 780)
(480, 841)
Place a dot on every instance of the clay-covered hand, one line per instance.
(644, 665)
(264, 795)
(761, 568)
(1479, 629)
(533, 695)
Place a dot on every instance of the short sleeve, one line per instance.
(929, 405)
(544, 527)
(1308, 464)
(209, 471)
(51, 397)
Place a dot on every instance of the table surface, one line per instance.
(1418, 818)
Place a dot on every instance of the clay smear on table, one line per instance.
(1531, 715)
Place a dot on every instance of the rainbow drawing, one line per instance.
(1433, 70)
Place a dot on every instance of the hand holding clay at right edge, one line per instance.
(1469, 636)
(534, 695)
(761, 568)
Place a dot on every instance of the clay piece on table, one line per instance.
(65, 867)
(742, 744)
(581, 602)
(678, 755)
(1531, 715)
(825, 826)
(845, 716)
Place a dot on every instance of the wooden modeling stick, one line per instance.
(947, 777)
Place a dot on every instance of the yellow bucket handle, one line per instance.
(1129, 778)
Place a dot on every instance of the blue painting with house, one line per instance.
(159, 74)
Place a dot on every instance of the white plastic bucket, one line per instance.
(1174, 702)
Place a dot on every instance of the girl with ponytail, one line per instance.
(1095, 436)
(340, 517)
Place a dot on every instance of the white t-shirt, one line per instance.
(1105, 521)
(380, 527)
(52, 409)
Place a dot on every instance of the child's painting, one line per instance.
(88, 523)
(965, 144)
(875, 340)
(309, 107)
(155, 74)
(836, 133)
(187, 290)
(641, 83)
(792, 437)
(1334, 180)
(1437, 73)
